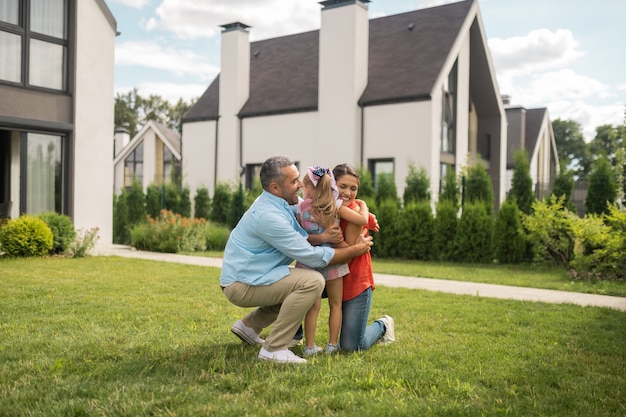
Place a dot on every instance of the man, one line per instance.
(255, 268)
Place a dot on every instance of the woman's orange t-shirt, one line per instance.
(361, 276)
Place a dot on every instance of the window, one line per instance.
(448, 112)
(44, 173)
(252, 175)
(378, 167)
(133, 166)
(33, 36)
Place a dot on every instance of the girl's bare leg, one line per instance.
(310, 323)
(334, 289)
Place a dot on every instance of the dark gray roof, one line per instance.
(172, 136)
(403, 64)
(534, 117)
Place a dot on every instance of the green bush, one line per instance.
(509, 239)
(474, 234)
(446, 222)
(221, 203)
(602, 188)
(26, 236)
(202, 204)
(63, 233)
(450, 189)
(154, 200)
(564, 187)
(478, 187)
(84, 243)
(135, 203)
(414, 237)
(366, 186)
(216, 236)
(120, 219)
(417, 185)
(550, 231)
(522, 183)
(385, 242)
(170, 233)
(601, 249)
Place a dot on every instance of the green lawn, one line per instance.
(110, 336)
(521, 275)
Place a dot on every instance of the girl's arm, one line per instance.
(359, 217)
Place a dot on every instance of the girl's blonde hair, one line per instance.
(323, 204)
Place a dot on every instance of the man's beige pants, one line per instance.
(283, 303)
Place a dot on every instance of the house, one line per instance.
(56, 112)
(531, 130)
(413, 88)
(149, 157)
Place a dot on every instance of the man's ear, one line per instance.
(274, 188)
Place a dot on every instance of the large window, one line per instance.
(44, 173)
(378, 167)
(133, 166)
(33, 36)
(448, 112)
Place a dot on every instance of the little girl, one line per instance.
(320, 209)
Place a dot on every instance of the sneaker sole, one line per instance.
(244, 337)
(265, 358)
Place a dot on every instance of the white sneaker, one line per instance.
(312, 351)
(246, 334)
(389, 336)
(280, 356)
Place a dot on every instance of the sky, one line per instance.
(566, 55)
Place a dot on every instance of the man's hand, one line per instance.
(364, 242)
(332, 235)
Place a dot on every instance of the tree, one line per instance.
(522, 184)
(563, 187)
(572, 150)
(133, 111)
(602, 189)
(417, 185)
(478, 187)
(386, 189)
(450, 189)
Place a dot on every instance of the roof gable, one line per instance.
(406, 54)
(169, 138)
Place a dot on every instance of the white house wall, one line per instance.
(198, 152)
(93, 121)
(293, 135)
(402, 132)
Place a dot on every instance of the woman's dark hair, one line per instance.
(345, 169)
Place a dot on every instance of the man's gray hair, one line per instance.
(271, 170)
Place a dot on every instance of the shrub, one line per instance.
(169, 233)
(446, 221)
(366, 187)
(550, 231)
(414, 235)
(564, 187)
(509, 239)
(26, 236)
(386, 189)
(417, 185)
(522, 183)
(135, 203)
(601, 250)
(216, 236)
(450, 189)
(120, 219)
(221, 203)
(385, 242)
(474, 234)
(154, 199)
(602, 188)
(236, 207)
(202, 204)
(84, 243)
(478, 187)
(63, 233)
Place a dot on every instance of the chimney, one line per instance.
(234, 91)
(121, 138)
(343, 71)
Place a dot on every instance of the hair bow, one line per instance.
(317, 172)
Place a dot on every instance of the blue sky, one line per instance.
(566, 55)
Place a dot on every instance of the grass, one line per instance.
(110, 336)
(521, 275)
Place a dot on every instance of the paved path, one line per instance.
(455, 287)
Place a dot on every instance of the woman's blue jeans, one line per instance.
(355, 333)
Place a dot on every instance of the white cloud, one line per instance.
(154, 56)
(136, 4)
(191, 19)
(538, 50)
(168, 91)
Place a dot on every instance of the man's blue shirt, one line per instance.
(265, 241)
